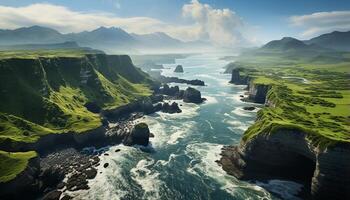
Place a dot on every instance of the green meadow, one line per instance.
(307, 94)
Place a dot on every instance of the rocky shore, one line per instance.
(64, 164)
(288, 154)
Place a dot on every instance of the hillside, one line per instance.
(112, 40)
(44, 92)
(336, 40)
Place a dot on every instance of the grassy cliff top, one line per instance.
(314, 98)
(43, 95)
(78, 52)
(11, 164)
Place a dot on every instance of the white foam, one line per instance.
(241, 112)
(165, 132)
(147, 179)
(105, 184)
(286, 189)
(203, 163)
(210, 100)
(235, 124)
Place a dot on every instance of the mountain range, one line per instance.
(111, 40)
(336, 40)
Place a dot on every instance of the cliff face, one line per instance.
(24, 183)
(273, 151)
(258, 92)
(287, 154)
(46, 95)
(237, 78)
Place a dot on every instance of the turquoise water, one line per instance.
(186, 146)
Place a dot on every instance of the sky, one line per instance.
(221, 22)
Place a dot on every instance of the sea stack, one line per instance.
(192, 95)
(179, 69)
(139, 135)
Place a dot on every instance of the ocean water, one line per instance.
(185, 147)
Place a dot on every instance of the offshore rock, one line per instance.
(139, 135)
(179, 69)
(173, 108)
(192, 95)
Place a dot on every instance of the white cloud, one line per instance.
(223, 27)
(66, 20)
(219, 26)
(321, 22)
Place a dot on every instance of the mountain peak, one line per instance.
(286, 43)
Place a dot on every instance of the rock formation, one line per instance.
(139, 135)
(287, 154)
(171, 108)
(179, 69)
(237, 79)
(192, 95)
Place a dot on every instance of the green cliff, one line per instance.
(44, 93)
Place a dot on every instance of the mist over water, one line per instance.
(186, 146)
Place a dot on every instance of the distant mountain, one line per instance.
(336, 40)
(286, 43)
(30, 35)
(157, 39)
(110, 40)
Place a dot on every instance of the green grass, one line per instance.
(320, 108)
(44, 92)
(45, 53)
(12, 164)
(46, 95)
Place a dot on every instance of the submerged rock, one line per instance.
(179, 69)
(139, 135)
(192, 95)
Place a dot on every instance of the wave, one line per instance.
(109, 183)
(147, 179)
(203, 157)
(285, 189)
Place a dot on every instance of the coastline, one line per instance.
(287, 153)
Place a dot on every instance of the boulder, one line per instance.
(179, 69)
(139, 135)
(173, 108)
(90, 173)
(250, 108)
(192, 95)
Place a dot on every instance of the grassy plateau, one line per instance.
(307, 94)
(45, 92)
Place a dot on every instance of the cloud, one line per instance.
(321, 22)
(66, 20)
(223, 27)
(219, 26)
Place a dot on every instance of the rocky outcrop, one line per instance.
(237, 79)
(165, 79)
(249, 108)
(172, 91)
(192, 95)
(139, 135)
(258, 92)
(288, 154)
(179, 69)
(171, 108)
